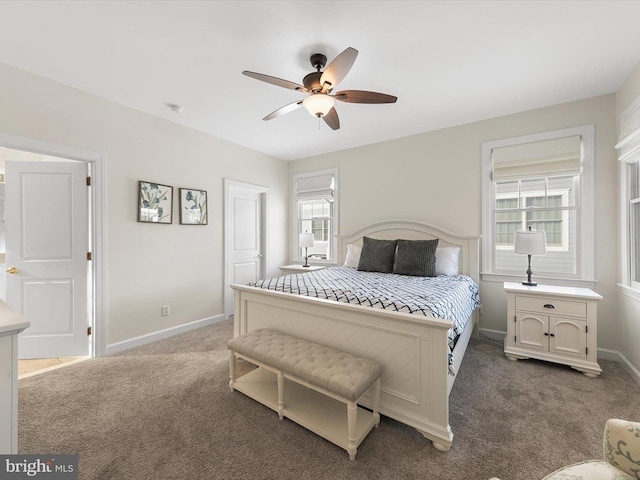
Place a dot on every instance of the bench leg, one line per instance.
(232, 369)
(352, 422)
(280, 395)
(376, 402)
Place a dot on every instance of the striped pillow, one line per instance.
(377, 255)
(416, 257)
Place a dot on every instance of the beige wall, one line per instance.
(629, 309)
(435, 177)
(149, 265)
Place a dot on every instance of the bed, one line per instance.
(419, 368)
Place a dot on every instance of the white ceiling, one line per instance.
(448, 62)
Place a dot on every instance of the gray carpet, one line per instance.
(164, 411)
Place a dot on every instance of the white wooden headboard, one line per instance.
(469, 260)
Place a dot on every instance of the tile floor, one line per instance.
(28, 368)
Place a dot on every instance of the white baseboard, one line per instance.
(496, 335)
(624, 362)
(169, 332)
(603, 353)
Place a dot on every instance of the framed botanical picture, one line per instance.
(193, 207)
(155, 202)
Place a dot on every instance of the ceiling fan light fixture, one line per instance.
(318, 104)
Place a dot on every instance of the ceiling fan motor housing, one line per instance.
(312, 82)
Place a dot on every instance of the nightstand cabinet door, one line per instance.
(532, 331)
(568, 337)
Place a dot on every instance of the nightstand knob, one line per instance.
(548, 305)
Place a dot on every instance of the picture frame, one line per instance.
(155, 203)
(193, 207)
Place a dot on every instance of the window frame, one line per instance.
(629, 154)
(297, 221)
(585, 211)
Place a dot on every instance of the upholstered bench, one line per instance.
(309, 384)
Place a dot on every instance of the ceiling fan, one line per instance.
(319, 84)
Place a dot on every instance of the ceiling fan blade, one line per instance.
(275, 81)
(338, 69)
(362, 96)
(331, 119)
(282, 110)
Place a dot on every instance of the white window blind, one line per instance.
(317, 186)
(551, 158)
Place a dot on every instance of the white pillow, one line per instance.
(447, 260)
(353, 256)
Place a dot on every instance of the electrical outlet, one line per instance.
(165, 310)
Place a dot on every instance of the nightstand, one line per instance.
(289, 269)
(556, 324)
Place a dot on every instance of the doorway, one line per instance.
(245, 221)
(20, 149)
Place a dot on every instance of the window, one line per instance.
(629, 156)
(315, 207)
(542, 181)
(544, 209)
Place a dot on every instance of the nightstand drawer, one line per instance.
(551, 306)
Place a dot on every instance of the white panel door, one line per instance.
(244, 221)
(47, 245)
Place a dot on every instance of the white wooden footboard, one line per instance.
(411, 349)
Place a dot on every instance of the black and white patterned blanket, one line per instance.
(453, 297)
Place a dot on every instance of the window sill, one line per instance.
(564, 282)
(630, 292)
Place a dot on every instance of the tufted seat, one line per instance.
(291, 369)
(338, 372)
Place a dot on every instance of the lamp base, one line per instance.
(530, 284)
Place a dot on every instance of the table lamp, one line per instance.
(530, 242)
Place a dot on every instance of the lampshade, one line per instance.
(530, 242)
(305, 240)
(318, 104)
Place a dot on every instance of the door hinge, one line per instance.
(514, 338)
(586, 350)
(89, 256)
(88, 331)
(88, 181)
(586, 328)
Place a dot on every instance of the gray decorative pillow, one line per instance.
(377, 255)
(416, 257)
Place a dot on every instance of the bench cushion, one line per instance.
(341, 373)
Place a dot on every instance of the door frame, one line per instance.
(263, 191)
(96, 161)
